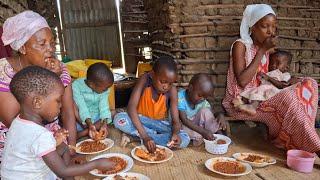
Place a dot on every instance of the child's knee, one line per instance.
(121, 120)
(185, 139)
(207, 112)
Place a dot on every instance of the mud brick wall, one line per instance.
(135, 32)
(199, 34)
(9, 8)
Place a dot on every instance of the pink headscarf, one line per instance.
(18, 29)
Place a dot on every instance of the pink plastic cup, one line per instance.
(300, 161)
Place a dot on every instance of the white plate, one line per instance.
(209, 164)
(241, 156)
(169, 155)
(123, 156)
(108, 142)
(129, 174)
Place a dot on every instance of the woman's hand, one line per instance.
(53, 65)
(269, 43)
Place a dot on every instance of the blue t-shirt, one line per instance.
(183, 104)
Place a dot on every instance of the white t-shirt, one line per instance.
(26, 143)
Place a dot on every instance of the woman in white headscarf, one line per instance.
(290, 114)
(29, 34)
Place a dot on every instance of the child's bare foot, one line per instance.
(197, 142)
(125, 139)
(248, 108)
(250, 124)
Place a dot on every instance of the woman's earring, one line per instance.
(22, 50)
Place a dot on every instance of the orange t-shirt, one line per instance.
(149, 107)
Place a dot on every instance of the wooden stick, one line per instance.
(298, 28)
(302, 75)
(136, 12)
(182, 84)
(297, 38)
(200, 49)
(317, 61)
(137, 6)
(192, 72)
(302, 48)
(313, 10)
(240, 17)
(205, 35)
(220, 6)
(162, 52)
(137, 22)
(135, 31)
(202, 61)
(134, 16)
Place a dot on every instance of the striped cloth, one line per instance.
(6, 74)
(290, 114)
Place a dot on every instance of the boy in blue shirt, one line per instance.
(195, 111)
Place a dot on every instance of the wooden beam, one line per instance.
(219, 17)
(222, 6)
(132, 16)
(136, 12)
(192, 72)
(201, 61)
(316, 61)
(205, 35)
(136, 22)
(184, 84)
(297, 38)
(162, 52)
(200, 49)
(300, 48)
(135, 31)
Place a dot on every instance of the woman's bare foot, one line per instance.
(237, 101)
(247, 108)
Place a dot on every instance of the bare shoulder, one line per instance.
(238, 45)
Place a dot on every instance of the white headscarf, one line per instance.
(18, 29)
(251, 15)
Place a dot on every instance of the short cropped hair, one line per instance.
(166, 62)
(99, 72)
(33, 80)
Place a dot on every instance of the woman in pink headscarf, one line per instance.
(29, 34)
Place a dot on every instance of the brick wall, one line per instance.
(199, 34)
